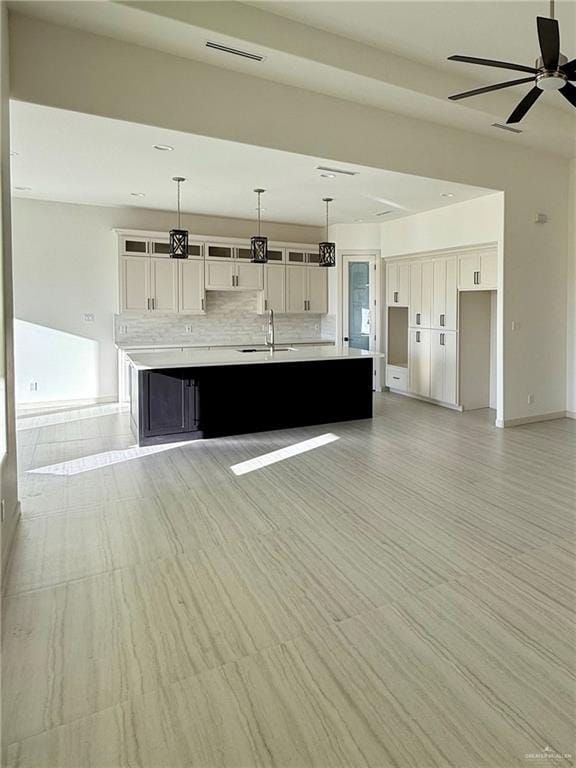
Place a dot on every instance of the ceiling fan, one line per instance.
(552, 71)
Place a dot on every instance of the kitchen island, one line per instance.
(191, 393)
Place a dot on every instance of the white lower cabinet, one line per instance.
(444, 366)
(419, 362)
(397, 378)
(191, 294)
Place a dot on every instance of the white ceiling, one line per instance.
(77, 158)
(391, 55)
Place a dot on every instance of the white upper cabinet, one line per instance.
(191, 295)
(478, 270)
(318, 290)
(220, 275)
(164, 284)
(296, 289)
(274, 295)
(134, 284)
(421, 275)
(398, 284)
(306, 289)
(249, 277)
(444, 294)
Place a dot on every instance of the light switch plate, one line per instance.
(88, 317)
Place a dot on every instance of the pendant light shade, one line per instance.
(178, 237)
(326, 250)
(258, 243)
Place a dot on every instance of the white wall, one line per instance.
(8, 468)
(571, 303)
(65, 265)
(89, 73)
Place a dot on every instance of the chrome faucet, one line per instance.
(270, 333)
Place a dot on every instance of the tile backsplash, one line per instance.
(230, 319)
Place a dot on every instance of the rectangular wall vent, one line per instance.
(335, 170)
(506, 128)
(234, 51)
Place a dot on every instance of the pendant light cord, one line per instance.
(179, 182)
(551, 9)
(327, 203)
(259, 193)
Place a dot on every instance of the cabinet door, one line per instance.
(296, 257)
(165, 403)
(437, 363)
(438, 294)
(135, 284)
(296, 289)
(275, 288)
(134, 246)
(427, 282)
(249, 276)
(419, 362)
(318, 290)
(403, 286)
(451, 295)
(220, 275)
(392, 295)
(190, 286)
(468, 268)
(415, 311)
(488, 270)
(164, 282)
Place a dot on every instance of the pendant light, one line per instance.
(178, 237)
(258, 243)
(327, 251)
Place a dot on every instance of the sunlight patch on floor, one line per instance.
(283, 453)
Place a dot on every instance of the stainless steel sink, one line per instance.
(276, 349)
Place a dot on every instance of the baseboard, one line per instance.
(531, 419)
(54, 404)
(571, 414)
(450, 406)
(9, 528)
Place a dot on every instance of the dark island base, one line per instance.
(174, 404)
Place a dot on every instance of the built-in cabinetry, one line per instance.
(424, 340)
(291, 282)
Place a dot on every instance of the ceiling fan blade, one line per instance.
(549, 37)
(488, 88)
(569, 69)
(525, 105)
(492, 63)
(569, 93)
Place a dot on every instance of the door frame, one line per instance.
(373, 257)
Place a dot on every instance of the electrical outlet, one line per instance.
(123, 329)
(88, 317)
(530, 399)
(316, 326)
(33, 386)
(188, 329)
(515, 325)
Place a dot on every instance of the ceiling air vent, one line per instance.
(506, 128)
(335, 170)
(234, 51)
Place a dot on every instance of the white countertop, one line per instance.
(201, 358)
(127, 346)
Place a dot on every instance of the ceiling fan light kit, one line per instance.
(552, 70)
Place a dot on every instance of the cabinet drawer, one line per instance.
(397, 378)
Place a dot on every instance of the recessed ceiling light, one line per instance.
(23, 189)
(446, 194)
(328, 175)
(137, 194)
(163, 147)
(358, 219)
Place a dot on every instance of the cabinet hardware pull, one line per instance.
(202, 303)
(395, 297)
(396, 378)
(265, 305)
(442, 320)
(153, 303)
(418, 336)
(442, 337)
(417, 318)
(147, 303)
